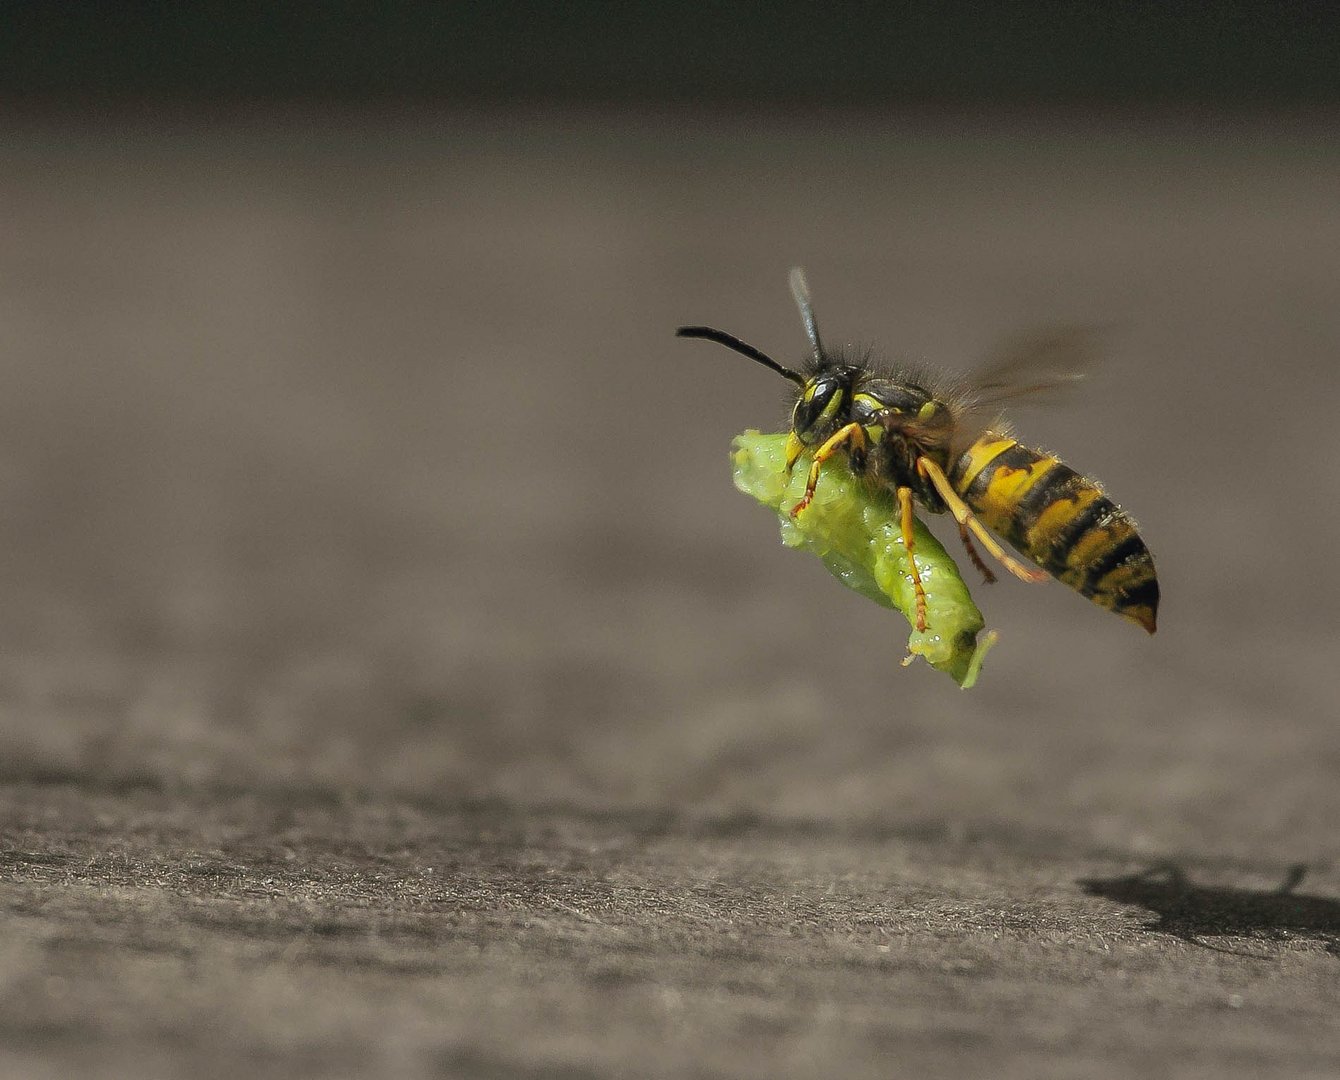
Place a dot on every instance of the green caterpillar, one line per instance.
(854, 530)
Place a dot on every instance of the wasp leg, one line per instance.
(852, 433)
(907, 522)
(966, 537)
(966, 517)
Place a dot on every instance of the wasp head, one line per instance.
(825, 401)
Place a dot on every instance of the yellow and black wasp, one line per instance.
(946, 447)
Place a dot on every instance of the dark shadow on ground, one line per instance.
(1192, 912)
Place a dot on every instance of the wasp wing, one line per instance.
(1036, 368)
(1037, 362)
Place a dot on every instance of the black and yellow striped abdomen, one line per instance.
(1061, 521)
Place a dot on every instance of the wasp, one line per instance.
(944, 446)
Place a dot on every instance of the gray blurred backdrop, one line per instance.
(369, 545)
(366, 454)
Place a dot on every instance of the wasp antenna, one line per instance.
(745, 349)
(800, 289)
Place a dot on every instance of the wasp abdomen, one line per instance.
(1061, 521)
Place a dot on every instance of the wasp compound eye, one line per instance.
(817, 411)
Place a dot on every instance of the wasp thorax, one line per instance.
(821, 408)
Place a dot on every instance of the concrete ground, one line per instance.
(392, 683)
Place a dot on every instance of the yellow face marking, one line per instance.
(927, 411)
(834, 404)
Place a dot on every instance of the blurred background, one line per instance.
(392, 682)
(345, 444)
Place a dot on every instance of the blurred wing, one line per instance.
(1040, 362)
(1034, 368)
